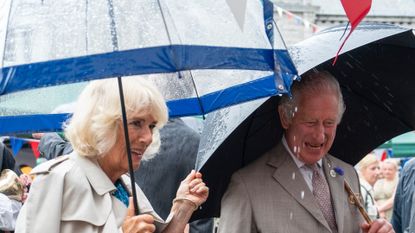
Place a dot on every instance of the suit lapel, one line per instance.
(290, 178)
(338, 195)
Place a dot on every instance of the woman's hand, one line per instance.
(26, 181)
(143, 223)
(193, 189)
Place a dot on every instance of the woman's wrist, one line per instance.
(185, 200)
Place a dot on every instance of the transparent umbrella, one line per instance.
(200, 56)
(195, 51)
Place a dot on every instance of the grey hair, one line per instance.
(313, 81)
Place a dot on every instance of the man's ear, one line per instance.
(285, 122)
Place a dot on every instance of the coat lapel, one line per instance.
(290, 178)
(338, 194)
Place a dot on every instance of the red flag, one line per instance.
(35, 145)
(384, 155)
(355, 11)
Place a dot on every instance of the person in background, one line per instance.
(369, 170)
(294, 187)
(13, 189)
(12, 194)
(384, 189)
(403, 215)
(89, 190)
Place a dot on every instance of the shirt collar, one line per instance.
(297, 161)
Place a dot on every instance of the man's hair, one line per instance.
(97, 115)
(312, 82)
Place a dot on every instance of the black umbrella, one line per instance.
(376, 75)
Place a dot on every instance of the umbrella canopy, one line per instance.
(197, 52)
(375, 73)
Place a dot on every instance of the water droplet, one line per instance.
(295, 149)
(302, 194)
(291, 215)
(296, 109)
(293, 176)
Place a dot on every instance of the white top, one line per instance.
(368, 201)
(9, 209)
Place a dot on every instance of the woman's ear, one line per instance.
(285, 122)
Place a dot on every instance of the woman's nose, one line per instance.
(146, 135)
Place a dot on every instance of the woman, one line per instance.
(87, 190)
(384, 189)
(369, 170)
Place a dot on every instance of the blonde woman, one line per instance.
(369, 170)
(89, 190)
(385, 188)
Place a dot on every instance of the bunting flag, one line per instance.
(384, 155)
(355, 12)
(35, 145)
(238, 9)
(16, 144)
(297, 19)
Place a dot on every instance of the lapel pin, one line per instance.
(333, 173)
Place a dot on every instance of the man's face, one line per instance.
(310, 133)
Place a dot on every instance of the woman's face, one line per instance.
(371, 173)
(389, 171)
(140, 131)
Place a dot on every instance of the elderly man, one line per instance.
(294, 187)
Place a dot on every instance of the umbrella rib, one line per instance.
(7, 34)
(175, 59)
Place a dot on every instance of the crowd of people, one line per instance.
(378, 182)
(297, 186)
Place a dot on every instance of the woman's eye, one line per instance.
(152, 126)
(136, 123)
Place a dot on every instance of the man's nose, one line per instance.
(319, 132)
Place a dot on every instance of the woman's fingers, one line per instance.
(143, 223)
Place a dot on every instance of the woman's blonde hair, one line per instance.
(91, 129)
(393, 162)
(366, 161)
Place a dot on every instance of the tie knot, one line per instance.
(313, 167)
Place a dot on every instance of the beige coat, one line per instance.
(72, 194)
(272, 196)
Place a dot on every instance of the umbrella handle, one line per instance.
(355, 201)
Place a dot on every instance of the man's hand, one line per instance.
(378, 226)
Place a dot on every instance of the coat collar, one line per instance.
(99, 181)
(290, 178)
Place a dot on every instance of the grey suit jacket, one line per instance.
(271, 195)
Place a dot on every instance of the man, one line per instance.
(403, 216)
(294, 186)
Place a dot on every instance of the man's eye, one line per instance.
(310, 123)
(329, 124)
